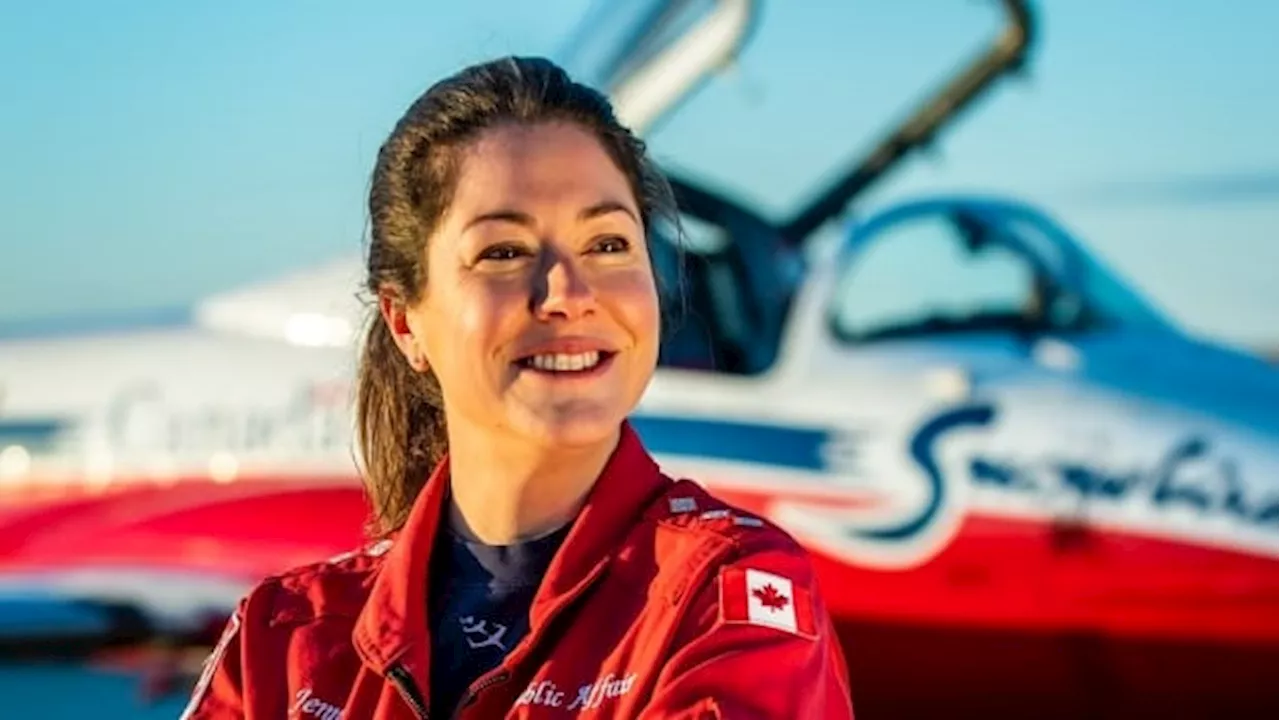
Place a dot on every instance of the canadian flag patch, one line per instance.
(756, 597)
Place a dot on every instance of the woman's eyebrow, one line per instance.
(510, 216)
(603, 207)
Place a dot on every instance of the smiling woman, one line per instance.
(538, 265)
(530, 556)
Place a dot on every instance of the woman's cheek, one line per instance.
(493, 319)
(637, 294)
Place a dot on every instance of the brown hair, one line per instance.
(400, 422)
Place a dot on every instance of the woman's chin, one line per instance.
(573, 426)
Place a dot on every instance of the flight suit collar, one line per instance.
(392, 628)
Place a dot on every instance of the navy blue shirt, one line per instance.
(479, 607)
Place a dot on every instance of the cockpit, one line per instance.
(727, 283)
(963, 266)
(944, 267)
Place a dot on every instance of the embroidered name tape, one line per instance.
(755, 597)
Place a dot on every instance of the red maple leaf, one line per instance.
(770, 597)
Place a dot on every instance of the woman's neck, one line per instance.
(505, 491)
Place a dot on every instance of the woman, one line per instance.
(534, 561)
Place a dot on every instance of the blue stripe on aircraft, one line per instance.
(783, 446)
(30, 433)
(733, 440)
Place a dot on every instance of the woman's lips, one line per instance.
(568, 366)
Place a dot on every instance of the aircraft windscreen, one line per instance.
(816, 86)
(928, 275)
(1109, 298)
(955, 268)
(614, 39)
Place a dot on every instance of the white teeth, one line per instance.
(566, 363)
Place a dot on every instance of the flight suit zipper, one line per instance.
(474, 691)
(409, 691)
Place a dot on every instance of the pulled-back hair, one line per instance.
(400, 421)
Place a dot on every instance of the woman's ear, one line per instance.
(395, 313)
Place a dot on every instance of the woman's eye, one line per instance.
(502, 252)
(613, 244)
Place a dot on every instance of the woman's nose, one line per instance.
(562, 290)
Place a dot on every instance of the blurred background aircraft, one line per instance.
(1028, 488)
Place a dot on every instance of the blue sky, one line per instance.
(158, 152)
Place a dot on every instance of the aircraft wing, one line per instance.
(159, 559)
(317, 307)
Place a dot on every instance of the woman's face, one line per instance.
(540, 313)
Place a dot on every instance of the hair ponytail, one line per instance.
(400, 426)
